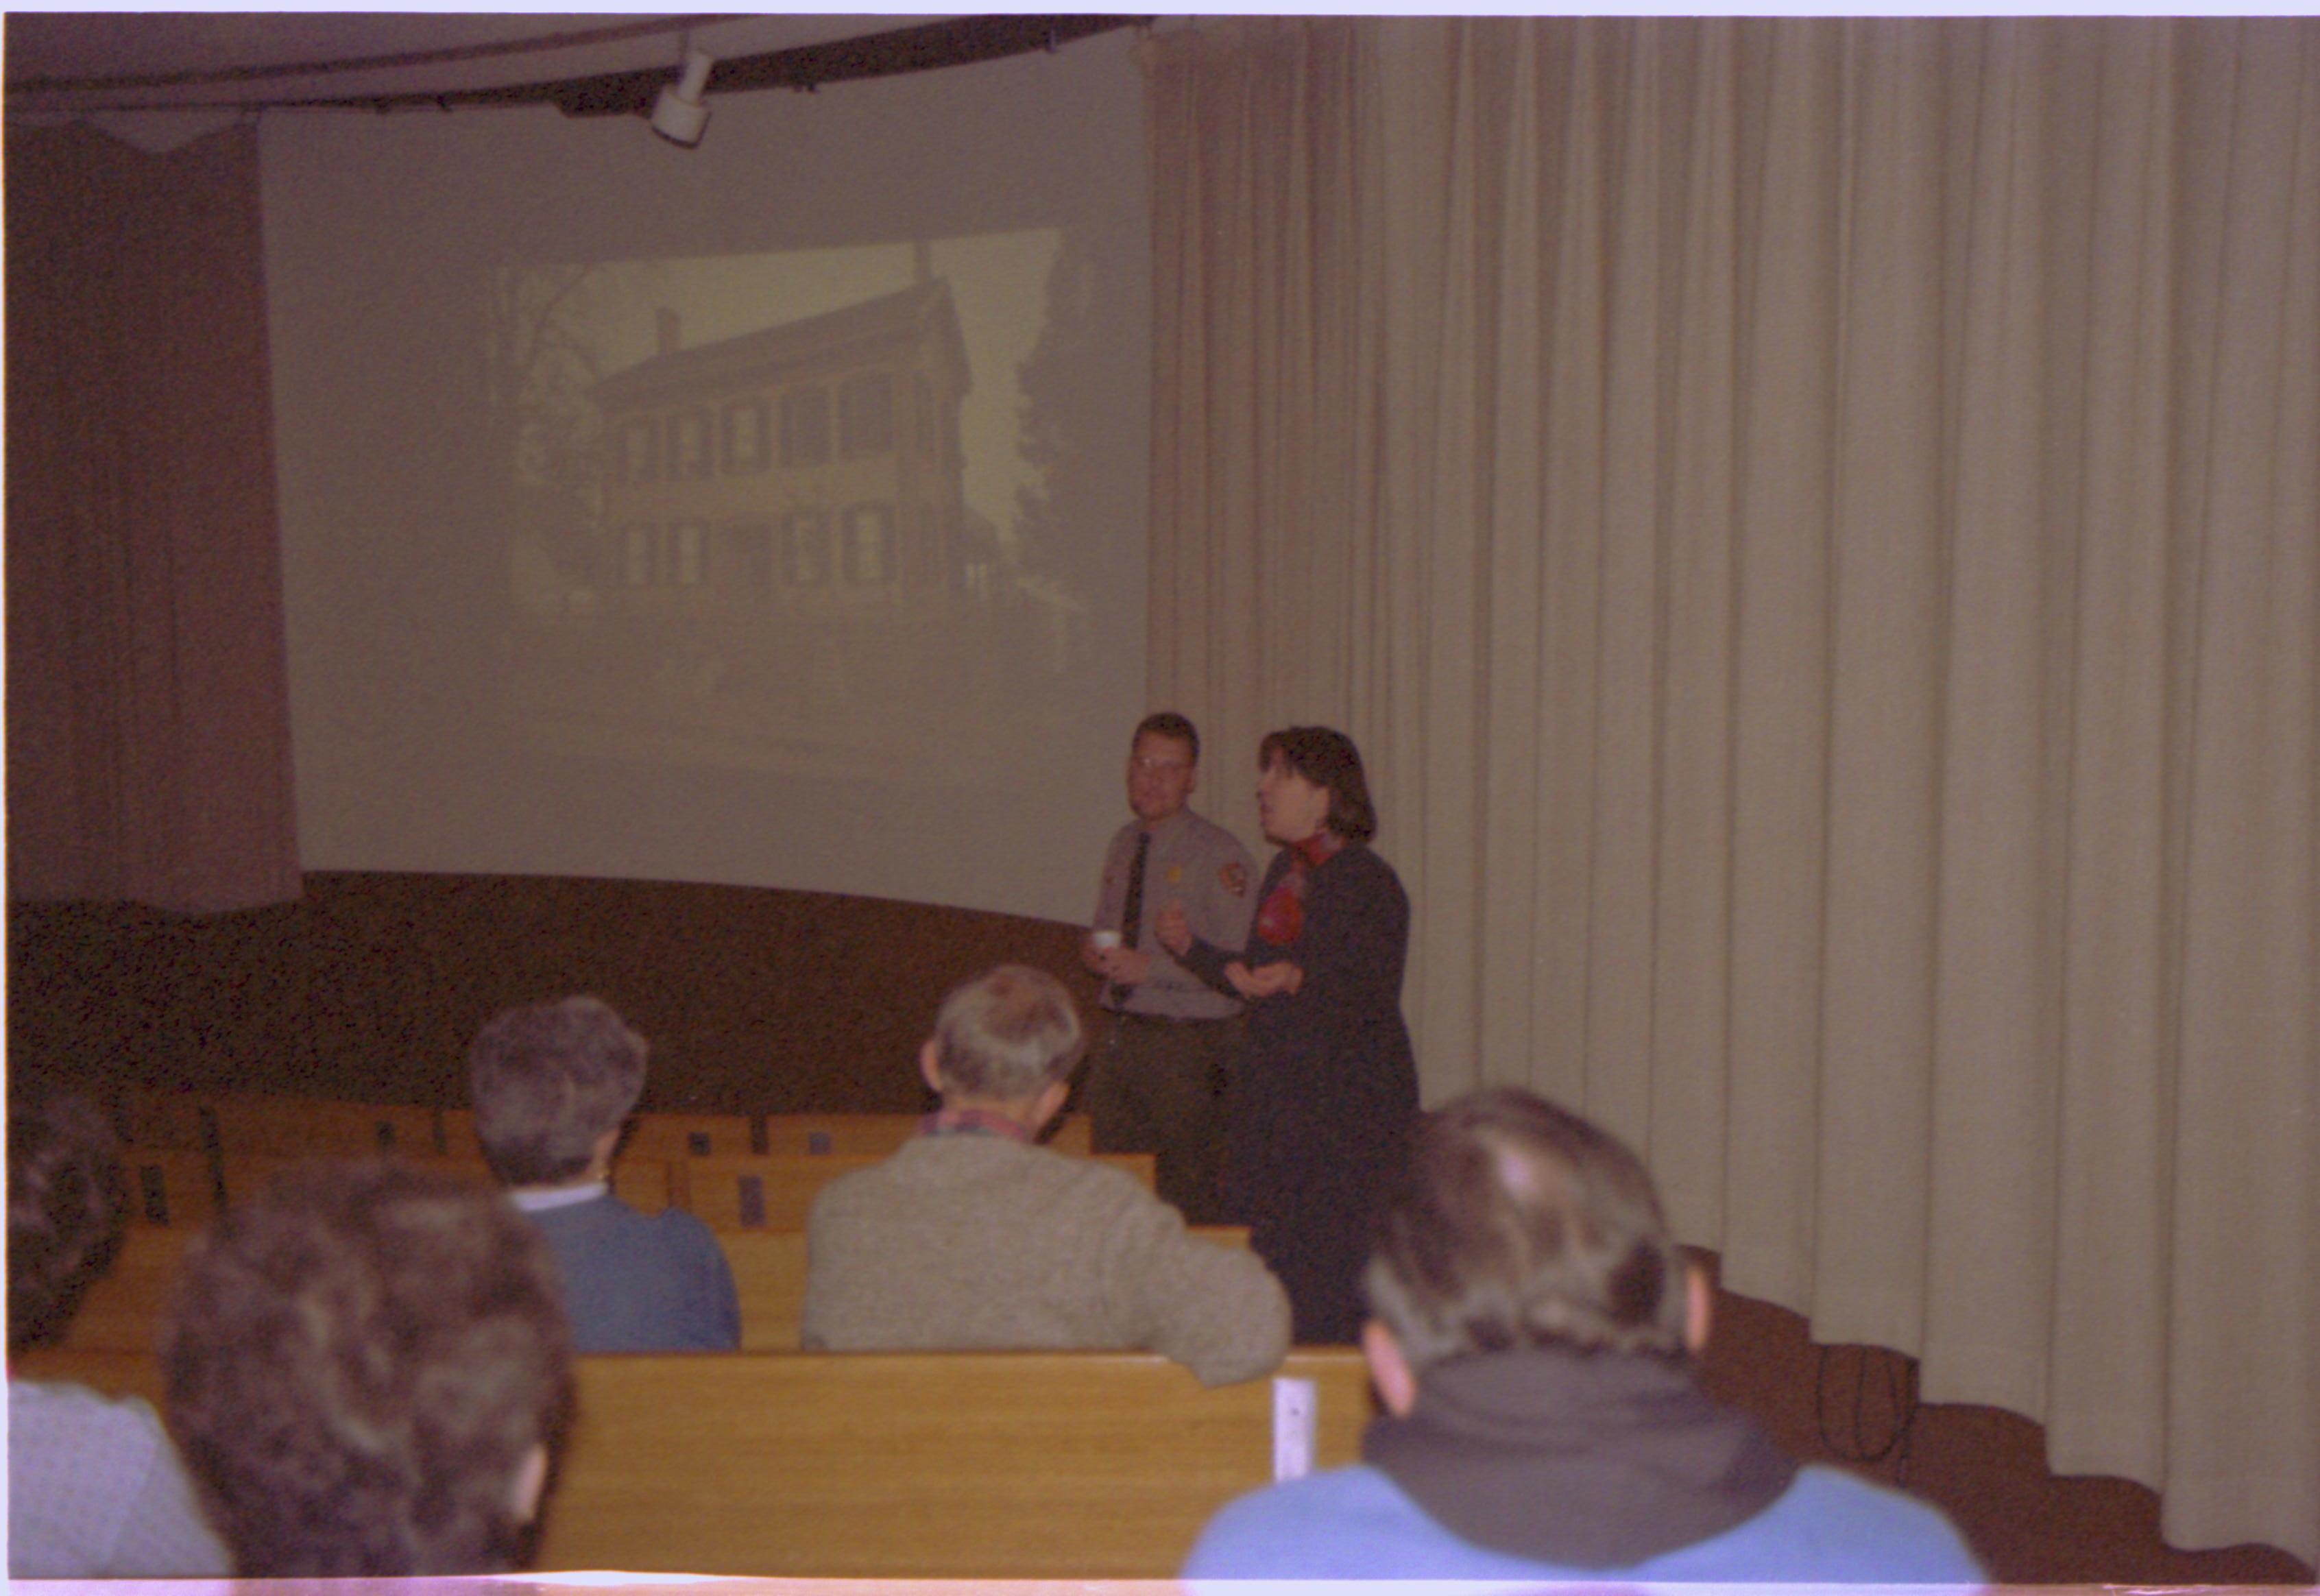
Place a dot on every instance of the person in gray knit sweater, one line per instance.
(975, 1237)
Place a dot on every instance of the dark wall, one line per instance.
(370, 986)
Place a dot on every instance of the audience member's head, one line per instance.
(1009, 1036)
(366, 1371)
(65, 1206)
(1517, 1224)
(552, 1083)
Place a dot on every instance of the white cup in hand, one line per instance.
(1104, 939)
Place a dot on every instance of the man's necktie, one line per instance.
(1131, 913)
(1131, 916)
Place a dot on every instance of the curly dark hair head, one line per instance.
(65, 1200)
(547, 1081)
(361, 1363)
(1327, 758)
(1517, 1223)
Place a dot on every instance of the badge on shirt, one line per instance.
(1234, 877)
(1175, 874)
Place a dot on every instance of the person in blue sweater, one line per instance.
(552, 1085)
(1532, 1341)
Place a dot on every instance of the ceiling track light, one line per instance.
(678, 115)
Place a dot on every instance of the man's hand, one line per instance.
(1173, 930)
(1124, 966)
(1265, 980)
(1092, 955)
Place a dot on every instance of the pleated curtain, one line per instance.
(147, 696)
(1813, 526)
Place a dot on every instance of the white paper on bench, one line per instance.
(1292, 1428)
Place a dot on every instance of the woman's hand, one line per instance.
(1265, 980)
(1173, 930)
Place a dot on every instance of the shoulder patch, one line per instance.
(1234, 877)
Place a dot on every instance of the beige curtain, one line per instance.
(1813, 525)
(147, 699)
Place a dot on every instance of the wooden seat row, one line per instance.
(229, 1125)
(907, 1466)
(179, 1190)
(693, 1161)
(124, 1311)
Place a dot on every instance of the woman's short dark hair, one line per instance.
(66, 1198)
(1517, 1223)
(361, 1362)
(1327, 758)
(547, 1081)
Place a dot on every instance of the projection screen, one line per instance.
(769, 513)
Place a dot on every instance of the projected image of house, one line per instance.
(762, 544)
(814, 465)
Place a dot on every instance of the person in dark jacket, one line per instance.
(553, 1083)
(1322, 1098)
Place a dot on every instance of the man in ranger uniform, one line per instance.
(1156, 1084)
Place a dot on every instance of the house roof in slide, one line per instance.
(851, 332)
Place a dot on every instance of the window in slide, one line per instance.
(689, 544)
(805, 426)
(637, 555)
(745, 438)
(866, 415)
(870, 545)
(805, 547)
(747, 563)
(640, 449)
(691, 444)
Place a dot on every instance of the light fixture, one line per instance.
(678, 116)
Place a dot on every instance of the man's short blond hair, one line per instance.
(1006, 1036)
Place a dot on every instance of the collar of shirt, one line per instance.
(972, 1123)
(1164, 829)
(541, 1199)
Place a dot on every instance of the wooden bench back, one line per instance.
(851, 1135)
(173, 1189)
(644, 1184)
(777, 1191)
(124, 1311)
(896, 1465)
(158, 1118)
(296, 1126)
(672, 1137)
(921, 1465)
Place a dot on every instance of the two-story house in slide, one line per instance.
(811, 467)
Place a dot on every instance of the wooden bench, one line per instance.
(775, 1192)
(849, 1135)
(173, 1189)
(124, 1311)
(156, 1119)
(897, 1465)
(921, 1465)
(297, 1127)
(644, 1184)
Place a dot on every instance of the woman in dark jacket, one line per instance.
(1322, 1101)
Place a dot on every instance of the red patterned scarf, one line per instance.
(1280, 918)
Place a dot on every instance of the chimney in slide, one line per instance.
(666, 326)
